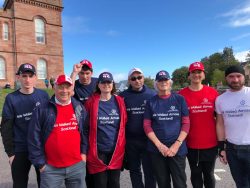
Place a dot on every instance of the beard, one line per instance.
(236, 85)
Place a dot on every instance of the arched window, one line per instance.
(40, 30)
(2, 68)
(5, 31)
(41, 69)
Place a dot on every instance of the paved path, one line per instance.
(222, 174)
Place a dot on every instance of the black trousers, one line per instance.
(202, 163)
(107, 178)
(20, 169)
(167, 168)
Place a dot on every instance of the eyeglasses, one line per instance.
(106, 82)
(134, 78)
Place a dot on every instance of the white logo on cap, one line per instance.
(27, 66)
(197, 65)
(162, 73)
(105, 75)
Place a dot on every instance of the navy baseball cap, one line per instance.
(162, 75)
(105, 77)
(26, 67)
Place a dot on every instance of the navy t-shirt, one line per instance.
(166, 118)
(108, 124)
(135, 102)
(19, 107)
(82, 92)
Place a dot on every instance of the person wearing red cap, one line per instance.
(233, 126)
(107, 122)
(17, 111)
(85, 85)
(58, 138)
(201, 140)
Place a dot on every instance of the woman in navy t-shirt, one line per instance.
(107, 121)
(166, 123)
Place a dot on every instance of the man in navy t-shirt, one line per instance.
(84, 87)
(135, 98)
(16, 115)
(86, 84)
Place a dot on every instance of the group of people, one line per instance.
(85, 134)
(50, 81)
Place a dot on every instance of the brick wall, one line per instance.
(22, 47)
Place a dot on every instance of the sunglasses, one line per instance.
(106, 82)
(134, 78)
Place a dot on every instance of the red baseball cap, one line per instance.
(196, 66)
(87, 63)
(63, 79)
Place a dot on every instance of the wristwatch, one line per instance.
(180, 142)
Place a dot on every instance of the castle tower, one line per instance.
(31, 32)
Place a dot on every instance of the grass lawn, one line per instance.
(4, 92)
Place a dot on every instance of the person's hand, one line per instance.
(173, 149)
(223, 157)
(43, 168)
(163, 149)
(11, 159)
(84, 158)
(77, 68)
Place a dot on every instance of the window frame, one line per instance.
(3, 72)
(5, 31)
(42, 72)
(40, 35)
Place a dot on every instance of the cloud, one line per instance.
(241, 56)
(112, 33)
(120, 76)
(245, 35)
(239, 16)
(75, 25)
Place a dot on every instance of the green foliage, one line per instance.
(217, 77)
(179, 77)
(248, 57)
(148, 81)
(215, 65)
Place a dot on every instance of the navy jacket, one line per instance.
(42, 123)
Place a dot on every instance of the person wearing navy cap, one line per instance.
(137, 157)
(58, 138)
(201, 140)
(106, 133)
(17, 111)
(233, 126)
(166, 123)
(85, 85)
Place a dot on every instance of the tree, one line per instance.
(228, 55)
(248, 57)
(217, 77)
(179, 77)
(148, 81)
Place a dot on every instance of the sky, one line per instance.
(153, 35)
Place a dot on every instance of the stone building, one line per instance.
(31, 32)
(246, 66)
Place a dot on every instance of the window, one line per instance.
(2, 68)
(5, 31)
(41, 69)
(39, 30)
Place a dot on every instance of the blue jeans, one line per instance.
(73, 176)
(136, 156)
(238, 157)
